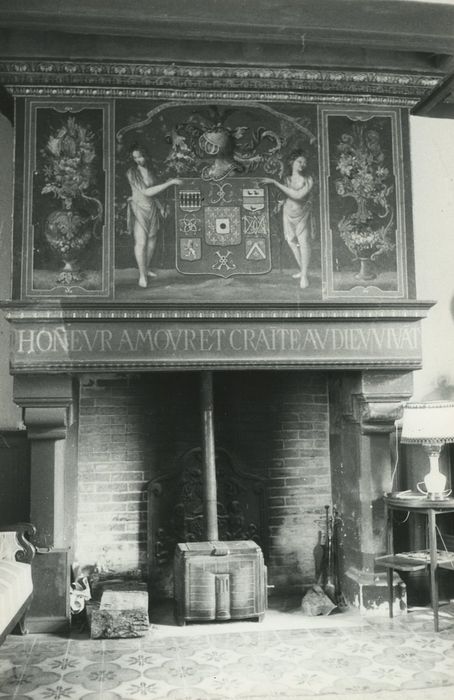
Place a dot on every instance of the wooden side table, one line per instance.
(417, 560)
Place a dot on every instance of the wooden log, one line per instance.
(122, 614)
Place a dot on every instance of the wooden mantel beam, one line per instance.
(376, 24)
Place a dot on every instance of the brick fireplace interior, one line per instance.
(273, 462)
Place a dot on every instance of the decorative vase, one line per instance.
(68, 232)
(366, 271)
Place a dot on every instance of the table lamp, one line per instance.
(430, 424)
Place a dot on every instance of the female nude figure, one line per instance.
(297, 213)
(144, 210)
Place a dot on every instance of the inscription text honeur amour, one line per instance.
(305, 340)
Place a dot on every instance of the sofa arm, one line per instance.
(14, 543)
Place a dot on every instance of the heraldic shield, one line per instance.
(222, 228)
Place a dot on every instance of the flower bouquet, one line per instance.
(366, 232)
(68, 174)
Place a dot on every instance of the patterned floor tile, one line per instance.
(428, 679)
(371, 660)
(216, 657)
(164, 647)
(192, 694)
(101, 677)
(106, 695)
(58, 691)
(357, 685)
(33, 678)
(142, 689)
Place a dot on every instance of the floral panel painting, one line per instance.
(364, 209)
(66, 217)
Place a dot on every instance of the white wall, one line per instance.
(432, 147)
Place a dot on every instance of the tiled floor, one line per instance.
(288, 655)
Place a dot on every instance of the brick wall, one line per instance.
(278, 422)
(115, 455)
(133, 428)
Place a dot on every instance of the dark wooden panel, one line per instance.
(14, 478)
(49, 610)
(376, 24)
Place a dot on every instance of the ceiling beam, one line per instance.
(439, 103)
(379, 24)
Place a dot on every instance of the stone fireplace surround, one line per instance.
(306, 391)
(317, 431)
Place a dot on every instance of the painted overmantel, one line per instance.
(370, 324)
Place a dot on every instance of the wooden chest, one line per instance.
(219, 581)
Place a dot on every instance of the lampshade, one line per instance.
(429, 423)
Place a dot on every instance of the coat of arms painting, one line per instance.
(230, 202)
